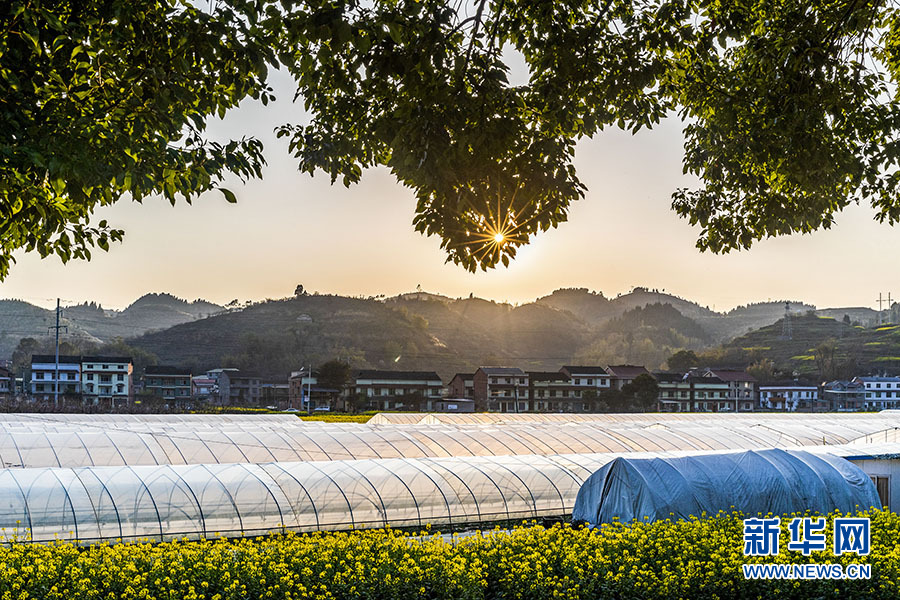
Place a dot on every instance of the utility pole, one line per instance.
(56, 373)
(879, 308)
(889, 305)
(309, 392)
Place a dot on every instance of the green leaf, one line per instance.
(229, 195)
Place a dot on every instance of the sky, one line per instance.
(289, 228)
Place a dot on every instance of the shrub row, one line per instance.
(695, 560)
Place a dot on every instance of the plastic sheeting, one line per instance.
(171, 501)
(768, 481)
(34, 443)
(163, 502)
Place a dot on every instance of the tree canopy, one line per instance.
(790, 108)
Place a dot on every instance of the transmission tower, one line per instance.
(57, 327)
(787, 331)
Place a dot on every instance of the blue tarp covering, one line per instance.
(758, 481)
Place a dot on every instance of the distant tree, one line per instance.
(824, 355)
(594, 402)
(298, 291)
(358, 402)
(682, 361)
(846, 319)
(334, 374)
(414, 401)
(763, 370)
(21, 356)
(614, 400)
(419, 322)
(643, 392)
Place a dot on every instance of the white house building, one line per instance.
(881, 392)
(43, 384)
(788, 397)
(106, 380)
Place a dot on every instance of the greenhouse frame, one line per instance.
(114, 478)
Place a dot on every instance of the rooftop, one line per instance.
(165, 370)
(576, 370)
(502, 370)
(398, 375)
(732, 375)
(626, 370)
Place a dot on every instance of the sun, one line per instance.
(499, 237)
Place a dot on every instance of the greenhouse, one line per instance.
(173, 501)
(161, 502)
(754, 482)
(87, 478)
(36, 443)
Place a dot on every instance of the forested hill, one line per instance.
(90, 322)
(419, 331)
(423, 330)
(819, 347)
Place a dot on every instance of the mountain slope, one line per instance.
(90, 322)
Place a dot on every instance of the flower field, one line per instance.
(692, 560)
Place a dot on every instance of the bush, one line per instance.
(696, 559)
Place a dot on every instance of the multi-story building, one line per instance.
(170, 384)
(709, 394)
(692, 392)
(674, 392)
(106, 380)
(583, 379)
(881, 392)
(303, 387)
(501, 389)
(791, 397)
(622, 375)
(462, 386)
(7, 384)
(43, 383)
(844, 395)
(238, 389)
(274, 393)
(392, 390)
(553, 392)
(204, 389)
(741, 388)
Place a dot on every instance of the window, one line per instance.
(577, 382)
(590, 382)
(120, 377)
(883, 486)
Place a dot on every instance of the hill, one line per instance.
(91, 323)
(408, 332)
(645, 335)
(273, 338)
(820, 347)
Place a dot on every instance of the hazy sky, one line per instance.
(290, 228)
